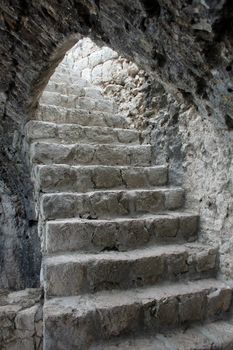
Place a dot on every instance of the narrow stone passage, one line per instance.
(122, 266)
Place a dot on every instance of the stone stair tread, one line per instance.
(216, 335)
(120, 233)
(164, 214)
(85, 153)
(72, 133)
(114, 202)
(106, 191)
(80, 116)
(77, 322)
(56, 178)
(99, 166)
(82, 304)
(130, 255)
(78, 100)
(57, 153)
(84, 127)
(79, 273)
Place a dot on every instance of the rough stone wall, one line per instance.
(21, 317)
(199, 152)
(119, 78)
(185, 45)
(208, 176)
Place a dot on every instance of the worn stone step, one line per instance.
(68, 78)
(65, 178)
(76, 101)
(75, 323)
(73, 133)
(55, 153)
(79, 90)
(215, 335)
(110, 203)
(64, 89)
(120, 234)
(74, 274)
(83, 117)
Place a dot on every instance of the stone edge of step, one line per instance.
(215, 335)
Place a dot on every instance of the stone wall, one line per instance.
(118, 78)
(199, 151)
(21, 317)
(185, 45)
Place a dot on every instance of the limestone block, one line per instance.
(108, 54)
(174, 199)
(25, 319)
(166, 228)
(39, 328)
(97, 74)
(96, 58)
(87, 74)
(205, 262)
(87, 103)
(82, 64)
(188, 227)
(18, 344)
(93, 92)
(107, 71)
(105, 105)
(192, 307)
(133, 70)
(161, 314)
(86, 47)
(218, 301)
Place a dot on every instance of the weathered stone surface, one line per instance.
(52, 153)
(66, 178)
(21, 320)
(104, 204)
(103, 315)
(216, 335)
(75, 274)
(80, 116)
(119, 234)
(73, 133)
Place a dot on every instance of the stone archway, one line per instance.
(188, 47)
(167, 39)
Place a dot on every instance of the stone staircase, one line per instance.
(122, 266)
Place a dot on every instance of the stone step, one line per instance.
(65, 178)
(216, 335)
(83, 117)
(64, 89)
(120, 234)
(54, 153)
(77, 273)
(111, 203)
(76, 101)
(69, 78)
(73, 133)
(77, 322)
(79, 90)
